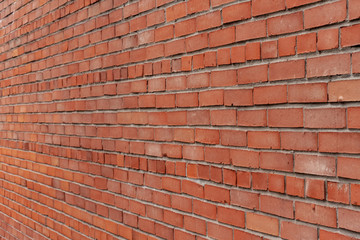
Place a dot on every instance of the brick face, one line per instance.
(192, 119)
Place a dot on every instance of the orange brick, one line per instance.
(315, 214)
(325, 14)
(262, 223)
(236, 12)
(285, 24)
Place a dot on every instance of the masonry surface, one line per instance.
(185, 120)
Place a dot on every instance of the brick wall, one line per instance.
(187, 119)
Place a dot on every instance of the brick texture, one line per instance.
(191, 119)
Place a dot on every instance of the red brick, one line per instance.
(328, 65)
(287, 46)
(353, 116)
(222, 37)
(164, 33)
(261, 223)
(323, 235)
(215, 3)
(181, 203)
(185, 27)
(313, 164)
(244, 235)
(137, 23)
(194, 224)
(252, 118)
(223, 117)
(276, 161)
(174, 47)
(242, 97)
(295, 186)
(217, 194)
(260, 7)
(338, 192)
(244, 199)
(211, 98)
(176, 83)
(270, 94)
(350, 36)
(146, 37)
(204, 209)
(162, 2)
(198, 61)
(204, 172)
(288, 117)
(223, 78)
(173, 218)
(295, 231)
(315, 214)
(209, 20)
(277, 206)
(231, 216)
(325, 118)
(145, 5)
(155, 51)
(328, 39)
(197, 42)
(176, 11)
(348, 167)
(208, 136)
(306, 43)
(217, 231)
(186, 63)
(130, 10)
(217, 155)
(198, 117)
(305, 141)
(250, 30)
(264, 139)
(310, 92)
(253, 74)
(154, 213)
(269, 49)
(296, 3)
(194, 6)
(233, 138)
(223, 56)
(259, 181)
(252, 51)
(355, 194)
(340, 91)
(356, 62)
(348, 219)
(315, 188)
(276, 183)
(285, 24)
(199, 80)
(229, 177)
(165, 101)
(244, 158)
(339, 142)
(180, 235)
(187, 100)
(236, 12)
(155, 18)
(171, 184)
(325, 14)
(243, 179)
(354, 9)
